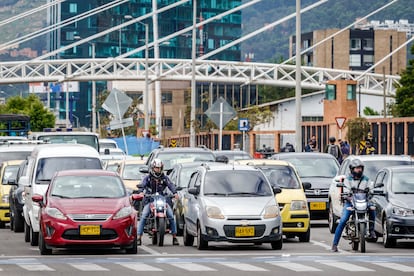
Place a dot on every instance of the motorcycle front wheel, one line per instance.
(161, 231)
(362, 233)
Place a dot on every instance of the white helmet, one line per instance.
(157, 163)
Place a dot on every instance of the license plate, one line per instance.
(244, 231)
(318, 205)
(89, 230)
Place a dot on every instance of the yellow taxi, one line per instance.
(292, 200)
(129, 171)
(8, 172)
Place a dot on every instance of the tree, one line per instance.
(358, 129)
(40, 117)
(404, 97)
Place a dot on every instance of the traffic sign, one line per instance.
(226, 111)
(243, 124)
(340, 121)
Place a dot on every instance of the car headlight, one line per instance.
(271, 211)
(124, 212)
(214, 212)
(5, 199)
(55, 213)
(297, 205)
(400, 211)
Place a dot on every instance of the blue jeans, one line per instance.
(345, 217)
(146, 212)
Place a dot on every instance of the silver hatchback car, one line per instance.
(232, 203)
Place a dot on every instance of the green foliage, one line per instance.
(368, 111)
(40, 117)
(358, 129)
(404, 97)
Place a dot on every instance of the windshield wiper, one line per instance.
(244, 193)
(216, 194)
(61, 196)
(404, 193)
(43, 181)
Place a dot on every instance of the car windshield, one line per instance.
(88, 187)
(373, 166)
(402, 182)
(236, 183)
(131, 172)
(171, 158)
(14, 155)
(47, 167)
(282, 176)
(10, 172)
(104, 145)
(315, 167)
(185, 175)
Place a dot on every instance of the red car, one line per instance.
(87, 209)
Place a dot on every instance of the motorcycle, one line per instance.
(157, 222)
(357, 227)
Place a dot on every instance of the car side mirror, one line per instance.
(378, 185)
(38, 198)
(143, 170)
(178, 188)
(193, 191)
(306, 185)
(276, 190)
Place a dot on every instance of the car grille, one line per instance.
(317, 193)
(73, 234)
(230, 233)
(89, 217)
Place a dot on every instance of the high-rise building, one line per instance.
(209, 37)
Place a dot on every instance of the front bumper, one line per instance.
(4, 212)
(401, 227)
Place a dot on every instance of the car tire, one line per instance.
(188, 238)
(11, 220)
(277, 245)
(332, 218)
(43, 248)
(2, 224)
(26, 232)
(133, 249)
(387, 241)
(305, 237)
(34, 237)
(177, 222)
(201, 243)
(18, 224)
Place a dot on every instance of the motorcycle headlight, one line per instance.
(55, 213)
(400, 211)
(297, 205)
(214, 212)
(124, 212)
(361, 205)
(159, 203)
(271, 211)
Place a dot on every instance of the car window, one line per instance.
(373, 166)
(185, 175)
(282, 176)
(171, 158)
(315, 167)
(10, 172)
(402, 182)
(236, 183)
(131, 171)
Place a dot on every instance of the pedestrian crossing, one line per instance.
(206, 266)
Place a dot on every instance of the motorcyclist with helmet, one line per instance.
(156, 181)
(356, 181)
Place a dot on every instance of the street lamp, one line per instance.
(93, 91)
(193, 81)
(146, 96)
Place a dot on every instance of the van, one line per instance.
(43, 163)
(292, 200)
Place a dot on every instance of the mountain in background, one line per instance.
(270, 46)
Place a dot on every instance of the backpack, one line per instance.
(333, 150)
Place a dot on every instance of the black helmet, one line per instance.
(157, 163)
(332, 139)
(355, 164)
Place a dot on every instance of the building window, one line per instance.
(73, 8)
(351, 92)
(355, 44)
(167, 123)
(330, 92)
(355, 61)
(368, 44)
(368, 60)
(166, 97)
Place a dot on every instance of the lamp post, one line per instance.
(193, 81)
(93, 91)
(120, 34)
(146, 92)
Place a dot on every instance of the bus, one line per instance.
(14, 125)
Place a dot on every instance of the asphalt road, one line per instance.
(19, 258)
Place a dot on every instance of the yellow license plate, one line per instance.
(244, 231)
(318, 205)
(89, 230)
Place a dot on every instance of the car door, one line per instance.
(191, 204)
(380, 201)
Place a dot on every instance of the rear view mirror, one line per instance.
(306, 185)
(276, 190)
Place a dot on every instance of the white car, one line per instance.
(373, 164)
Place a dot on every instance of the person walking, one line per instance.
(333, 149)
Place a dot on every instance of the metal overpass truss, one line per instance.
(242, 73)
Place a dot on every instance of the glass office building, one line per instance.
(211, 36)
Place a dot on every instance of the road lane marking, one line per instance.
(395, 266)
(345, 266)
(294, 266)
(88, 267)
(36, 267)
(140, 267)
(193, 267)
(242, 267)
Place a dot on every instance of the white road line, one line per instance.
(242, 267)
(36, 267)
(294, 266)
(88, 267)
(140, 267)
(149, 250)
(193, 267)
(395, 266)
(345, 266)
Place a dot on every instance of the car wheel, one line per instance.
(305, 237)
(34, 237)
(44, 249)
(188, 238)
(18, 223)
(11, 220)
(201, 243)
(277, 245)
(2, 224)
(133, 249)
(178, 222)
(332, 219)
(26, 232)
(387, 241)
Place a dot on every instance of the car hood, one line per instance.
(236, 206)
(4, 189)
(89, 205)
(287, 195)
(402, 200)
(318, 182)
